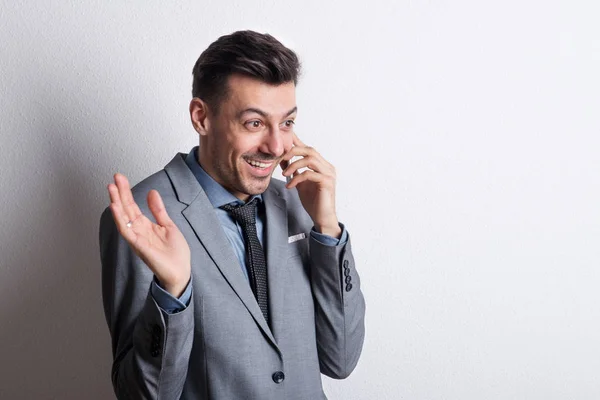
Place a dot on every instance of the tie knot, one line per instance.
(244, 214)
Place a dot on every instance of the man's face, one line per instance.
(244, 143)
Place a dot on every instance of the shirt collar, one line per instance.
(217, 194)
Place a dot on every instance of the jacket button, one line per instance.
(348, 279)
(278, 377)
(348, 287)
(155, 353)
(346, 271)
(346, 263)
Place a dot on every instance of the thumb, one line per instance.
(158, 210)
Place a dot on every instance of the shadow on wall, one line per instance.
(54, 337)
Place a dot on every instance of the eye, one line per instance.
(289, 123)
(254, 124)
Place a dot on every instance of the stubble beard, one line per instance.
(233, 180)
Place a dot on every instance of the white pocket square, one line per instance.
(297, 237)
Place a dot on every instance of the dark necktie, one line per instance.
(245, 215)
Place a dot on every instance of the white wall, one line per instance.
(466, 138)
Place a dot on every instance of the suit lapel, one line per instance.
(276, 255)
(201, 216)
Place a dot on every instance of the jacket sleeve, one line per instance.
(151, 348)
(339, 307)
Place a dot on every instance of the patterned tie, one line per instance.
(245, 215)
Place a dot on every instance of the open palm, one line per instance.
(160, 245)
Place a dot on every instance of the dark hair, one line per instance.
(247, 53)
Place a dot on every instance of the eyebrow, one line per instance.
(262, 113)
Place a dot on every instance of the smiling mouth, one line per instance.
(259, 164)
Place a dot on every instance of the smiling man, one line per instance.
(230, 284)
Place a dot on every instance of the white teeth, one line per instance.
(258, 164)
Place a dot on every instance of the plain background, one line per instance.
(466, 139)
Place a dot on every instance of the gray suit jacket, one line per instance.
(220, 346)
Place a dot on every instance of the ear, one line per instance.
(199, 116)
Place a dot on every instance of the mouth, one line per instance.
(260, 168)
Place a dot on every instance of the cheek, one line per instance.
(235, 146)
(288, 142)
(249, 146)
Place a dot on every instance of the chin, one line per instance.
(257, 187)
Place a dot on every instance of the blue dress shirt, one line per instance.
(219, 196)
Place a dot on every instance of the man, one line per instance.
(230, 284)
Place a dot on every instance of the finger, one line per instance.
(116, 206)
(128, 203)
(307, 175)
(302, 151)
(306, 162)
(120, 221)
(157, 207)
(296, 140)
(113, 193)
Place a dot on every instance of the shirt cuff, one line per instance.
(330, 240)
(167, 301)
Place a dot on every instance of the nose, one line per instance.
(273, 143)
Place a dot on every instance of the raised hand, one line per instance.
(160, 245)
(315, 185)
